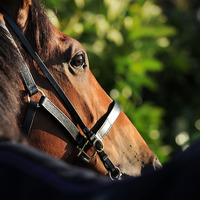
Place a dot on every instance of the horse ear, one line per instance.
(26, 3)
(22, 13)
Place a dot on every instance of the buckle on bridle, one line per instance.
(98, 145)
(82, 151)
(39, 91)
(116, 174)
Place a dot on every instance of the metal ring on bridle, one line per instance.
(98, 149)
(40, 91)
(118, 176)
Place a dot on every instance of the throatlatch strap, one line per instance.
(26, 75)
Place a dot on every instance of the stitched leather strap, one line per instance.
(26, 75)
(63, 120)
(103, 130)
(66, 102)
(74, 132)
(46, 72)
(29, 118)
(98, 145)
(114, 172)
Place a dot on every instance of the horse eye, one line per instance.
(78, 61)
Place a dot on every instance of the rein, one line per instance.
(95, 139)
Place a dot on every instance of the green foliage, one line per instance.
(179, 80)
(123, 39)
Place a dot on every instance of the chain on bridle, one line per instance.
(95, 139)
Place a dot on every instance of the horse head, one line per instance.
(67, 61)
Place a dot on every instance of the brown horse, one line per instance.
(68, 63)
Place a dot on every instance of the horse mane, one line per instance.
(10, 100)
(38, 32)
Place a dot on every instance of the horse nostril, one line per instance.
(156, 164)
(153, 165)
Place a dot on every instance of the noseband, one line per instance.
(94, 139)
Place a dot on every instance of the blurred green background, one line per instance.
(146, 56)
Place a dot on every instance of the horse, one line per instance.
(68, 64)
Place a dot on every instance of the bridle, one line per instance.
(94, 139)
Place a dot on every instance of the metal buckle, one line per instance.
(40, 91)
(118, 176)
(82, 151)
(98, 149)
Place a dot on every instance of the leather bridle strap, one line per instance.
(29, 118)
(26, 75)
(63, 120)
(48, 75)
(44, 102)
(106, 126)
(78, 138)
(91, 137)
